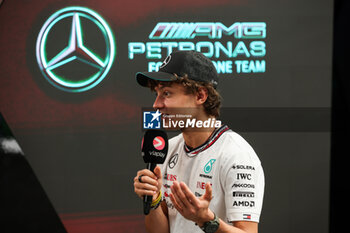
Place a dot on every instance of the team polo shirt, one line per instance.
(231, 166)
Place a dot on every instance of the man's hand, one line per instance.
(191, 207)
(150, 184)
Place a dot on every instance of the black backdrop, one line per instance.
(340, 119)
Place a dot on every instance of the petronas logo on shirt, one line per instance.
(209, 166)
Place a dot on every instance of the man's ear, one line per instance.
(202, 95)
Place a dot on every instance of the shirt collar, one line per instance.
(210, 141)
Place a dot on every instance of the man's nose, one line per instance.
(158, 102)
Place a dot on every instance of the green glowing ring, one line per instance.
(104, 65)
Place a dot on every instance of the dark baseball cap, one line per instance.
(194, 64)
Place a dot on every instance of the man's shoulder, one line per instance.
(235, 140)
(236, 147)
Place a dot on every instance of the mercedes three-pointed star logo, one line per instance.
(173, 160)
(75, 50)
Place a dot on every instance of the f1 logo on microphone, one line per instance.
(151, 120)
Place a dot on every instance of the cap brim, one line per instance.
(143, 77)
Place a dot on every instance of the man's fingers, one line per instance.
(176, 205)
(189, 195)
(158, 172)
(146, 183)
(146, 186)
(146, 180)
(144, 192)
(179, 195)
(142, 189)
(208, 192)
(146, 172)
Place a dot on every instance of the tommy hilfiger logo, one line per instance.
(247, 216)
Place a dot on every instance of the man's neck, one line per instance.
(196, 137)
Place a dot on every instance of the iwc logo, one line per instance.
(83, 58)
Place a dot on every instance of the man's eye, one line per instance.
(166, 93)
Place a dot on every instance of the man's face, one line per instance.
(173, 98)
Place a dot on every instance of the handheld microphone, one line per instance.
(154, 151)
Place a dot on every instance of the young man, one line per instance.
(211, 180)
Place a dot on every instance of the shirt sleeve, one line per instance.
(243, 182)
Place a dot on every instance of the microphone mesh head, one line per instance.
(154, 146)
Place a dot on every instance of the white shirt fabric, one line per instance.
(232, 167)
